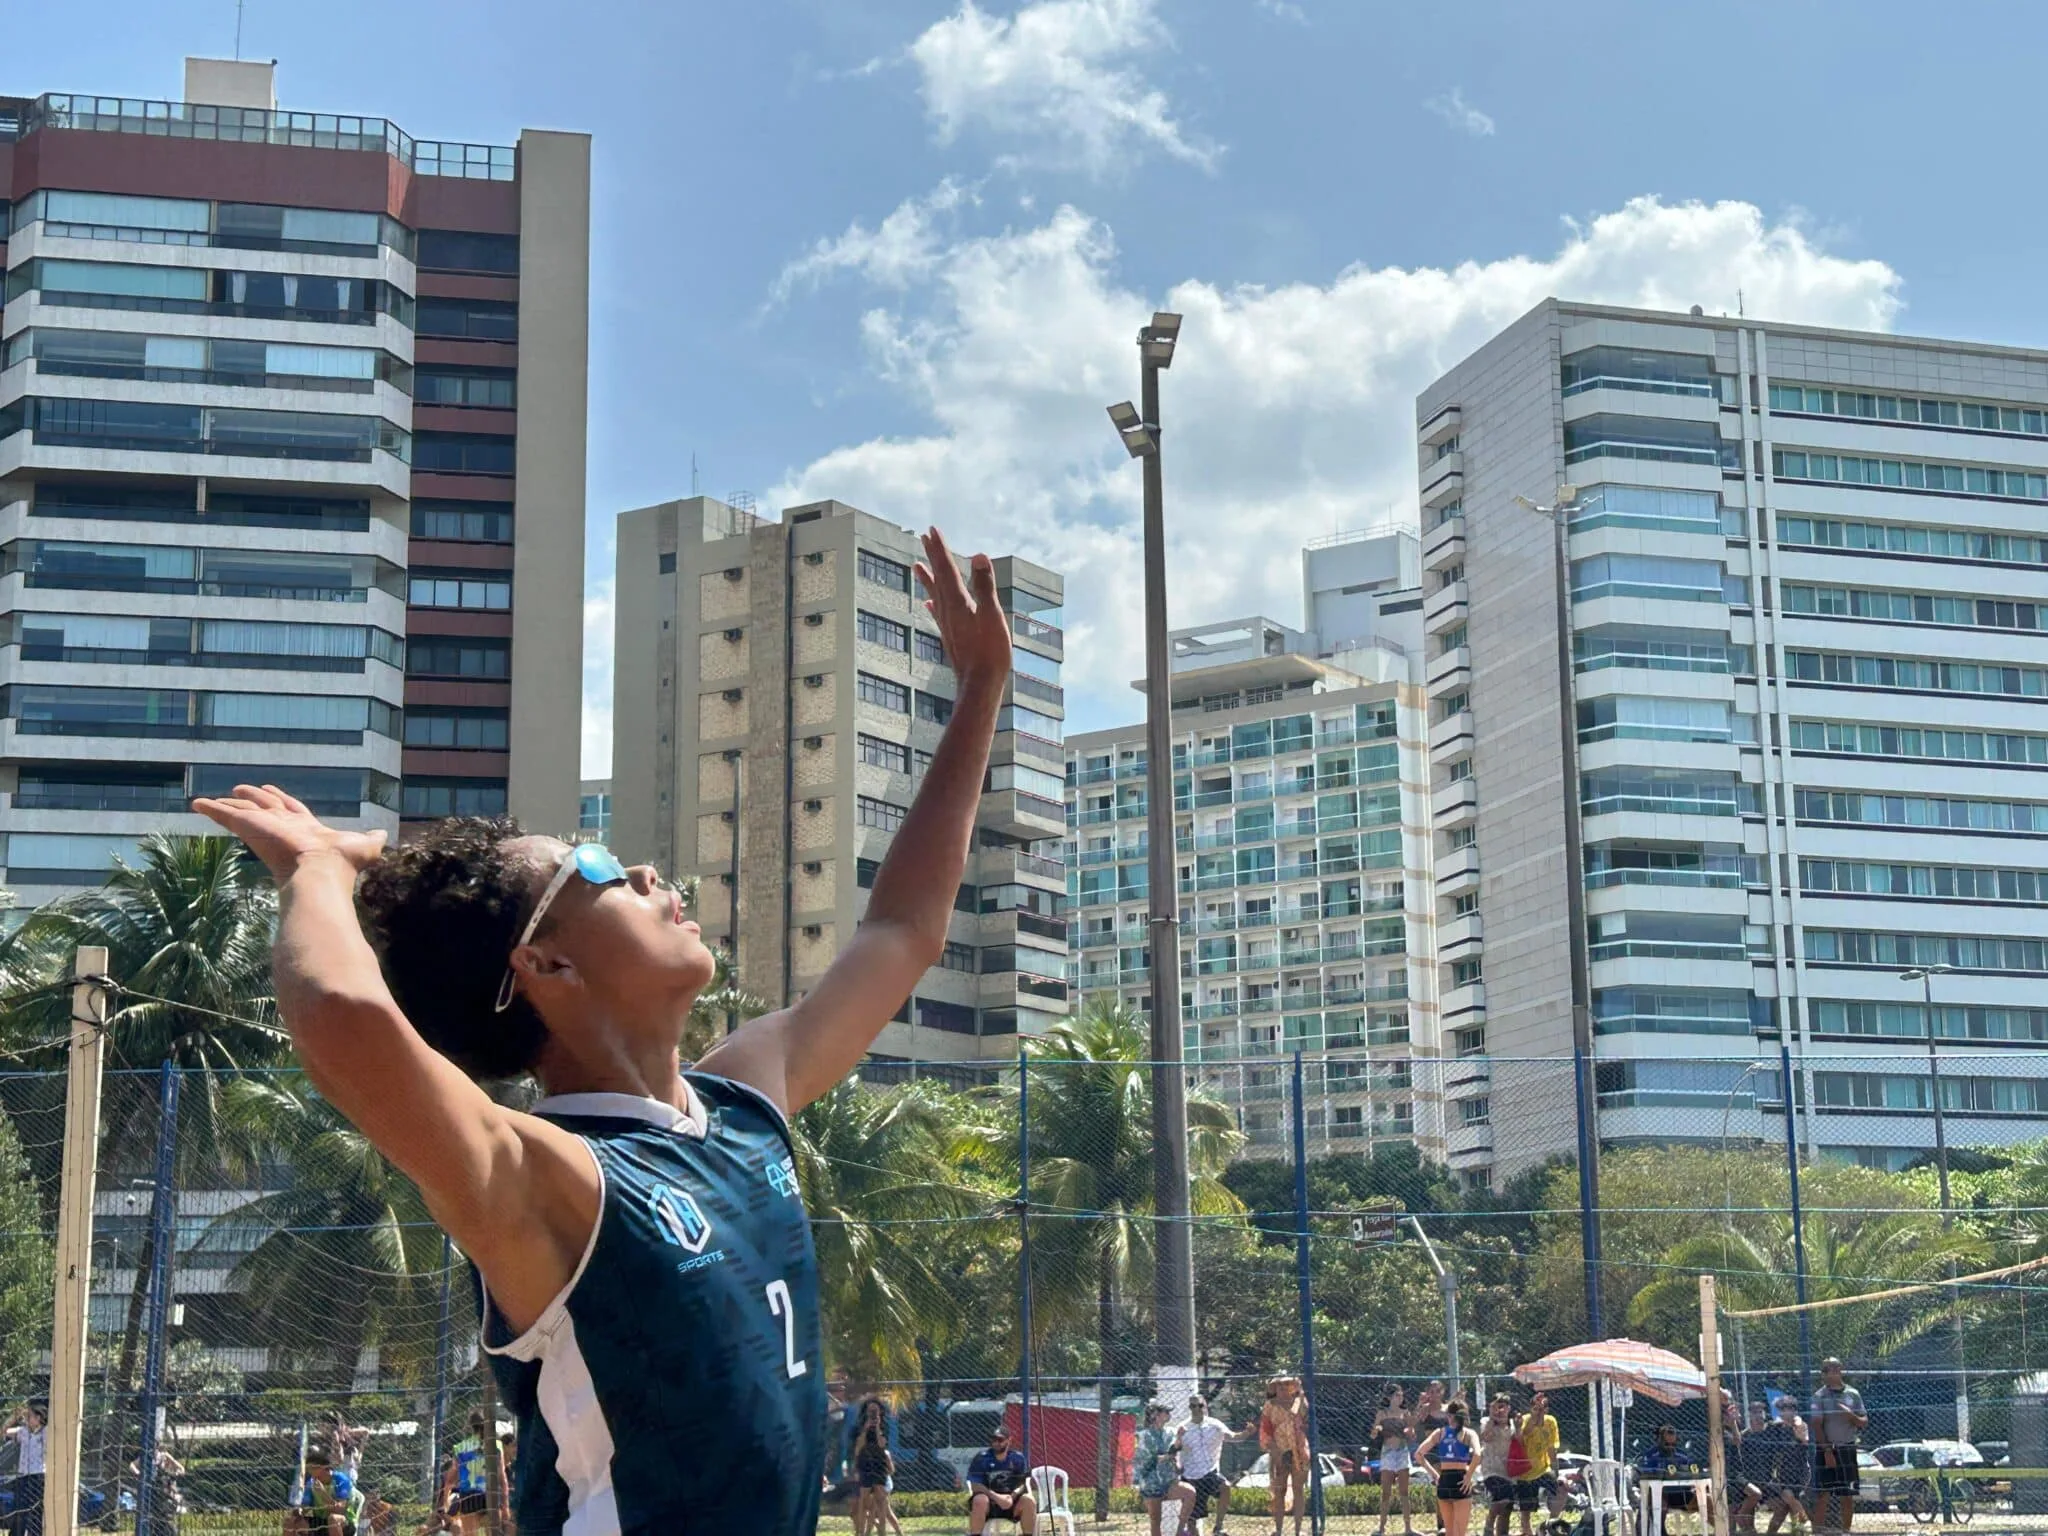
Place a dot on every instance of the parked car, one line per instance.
(1260, 1473)
(94, 1508)
(1929, 1453)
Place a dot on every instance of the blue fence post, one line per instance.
(163, 1243)
(1798, 1219)
(1589, 1219)
(433, 1458)
(1302, 1282)
(1024, 1248)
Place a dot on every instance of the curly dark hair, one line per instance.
(442, 910)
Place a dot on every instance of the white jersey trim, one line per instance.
(693, 1119)
(567, 1398)
(535, 1343)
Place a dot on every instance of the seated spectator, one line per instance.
(332, 1505)
(999, 1485)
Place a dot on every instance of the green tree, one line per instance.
(882, 1180)
(1091, 1192)
(26, 1257)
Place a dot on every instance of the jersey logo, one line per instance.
(782, 1177)
(680, 1218)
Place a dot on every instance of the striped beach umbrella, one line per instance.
(1642, 1368)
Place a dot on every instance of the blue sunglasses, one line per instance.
(596, 864)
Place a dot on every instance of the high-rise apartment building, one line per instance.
(1301, 812)
(1808, 586)
(291, 468)
(779, 691)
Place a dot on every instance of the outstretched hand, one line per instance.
(973, 625)
(283, 833)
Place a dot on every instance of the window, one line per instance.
(882, 571)
(2016, 817)
(1465, 905)
(1909, 474)
(882, 693)
(1631, 368)
(877, 753)
(1460, 837)
(468, 319)
(1450, 575)
(462, 453)
(1477, 1111)
(1452, 639)
(1913, 607)
(482, 659)
(1943, 881)
(960, 957)
(465, 522)
(1651, 718)
(1447, 447)
(884, 815)
(1032, 781)
(1913, 741)
(321, 231)
(864, 872)
(1642, 506)
(1913, 539)
(1647, 576)
(931, 648)
(489, 591)
(930, 706)
(1969, 952)
(1906, 672)
(1458, 771)
(666, 566)
(463, 730)
(1465, 972)
(491, 388)
(462, 250)
(111, 216)
(453, 797)
(1966, 415)
(876, 630)
(1650, 438)
(1453, 704)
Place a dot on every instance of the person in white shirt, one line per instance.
(25, 1427)
(1199, 1441)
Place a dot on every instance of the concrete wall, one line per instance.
(547, 571)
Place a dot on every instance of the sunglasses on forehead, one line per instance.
(597, 865)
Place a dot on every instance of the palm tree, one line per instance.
(344, 1237)
(880, 1175)
(1846, 1257)
(1090, 1131)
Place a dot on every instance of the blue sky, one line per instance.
(894, 250)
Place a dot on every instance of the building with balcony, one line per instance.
(1301, 801)
(1806, 608)
(779, 691)
(277, 497)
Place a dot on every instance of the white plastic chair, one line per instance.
(1049, 1492)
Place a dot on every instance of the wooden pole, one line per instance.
(1710, 1366)
(87, 1059)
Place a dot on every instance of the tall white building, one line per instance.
(1301, 817)
(1808, 589)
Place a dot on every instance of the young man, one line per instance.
(27, 1427)
(1666, 1462)
(999, 1487)
(1836, 1419)
(651, 1288)
(1537, 1486)
(1199, 1441)
(332, 1505)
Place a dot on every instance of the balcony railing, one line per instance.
(1022, 624)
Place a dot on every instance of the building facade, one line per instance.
(779, 691)
(1301, 812)
(277, 497)
(1806, 588)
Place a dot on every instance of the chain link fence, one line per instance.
(988, 1241)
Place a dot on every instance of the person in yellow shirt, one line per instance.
(1537, 1431)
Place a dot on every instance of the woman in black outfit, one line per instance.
(874, 1471)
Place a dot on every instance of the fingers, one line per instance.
(949, 586)
(983, 571)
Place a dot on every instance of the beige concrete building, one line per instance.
(779, 690)
(1301, 800)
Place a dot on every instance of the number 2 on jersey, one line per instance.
(780, 1305)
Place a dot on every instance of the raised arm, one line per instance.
(510, 1189)
(799, 1053)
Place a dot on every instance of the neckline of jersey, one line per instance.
(695, 1120)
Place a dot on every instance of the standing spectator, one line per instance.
(1429, 1418)
(1394, 1429)
(1448, 1456)
(1284, 1429)
(1537, 1483)
(1199, 1440)
(27, 1427)
(999, 1482)
(1743, 1495)
(1497, 1434)
(167, 1500)
(1836, 1419)
(874, 1470)
(1157, 1474)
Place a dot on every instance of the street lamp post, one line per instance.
(1174, 1272)
(1925, 974)
(1584, 1084)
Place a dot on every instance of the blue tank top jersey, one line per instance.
(677, 1383)
(1454, 1450)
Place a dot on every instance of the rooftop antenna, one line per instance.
(693, 474)
(1739, 310)
(238, 28)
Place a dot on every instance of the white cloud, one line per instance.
(904, 245)
(1461, 114)
(1289, 411)
(597, 674)
(1286, 10)
(1055, 78)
